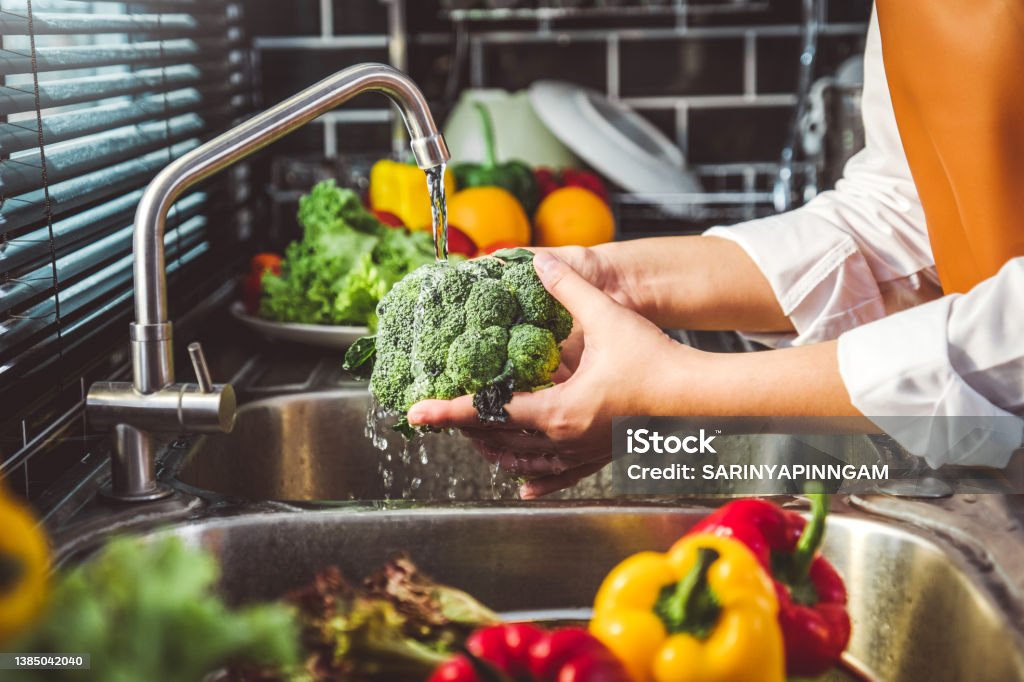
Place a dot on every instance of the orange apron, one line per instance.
(956, 76)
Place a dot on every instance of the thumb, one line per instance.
(586, 302)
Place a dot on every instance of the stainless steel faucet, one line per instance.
(152, 402)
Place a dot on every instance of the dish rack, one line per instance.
(731, 193)
(547, 11)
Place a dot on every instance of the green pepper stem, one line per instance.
(677, 608)
(490, 158)
(811, 537)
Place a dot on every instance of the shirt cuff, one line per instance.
(898, 373)
(821, 280)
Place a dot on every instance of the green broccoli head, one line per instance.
(490, 304)
(538, 307)
(477, 357)
(485, 326)
(533, 354)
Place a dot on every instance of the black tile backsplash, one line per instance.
(737, 135)
(842, 11)
(517, 66)
(662, 119)
(730, 76)
(364, 138)
(776, 55)
(778, 12)
(690, 66)
(274, 18)
(286, 71)
(359, 17)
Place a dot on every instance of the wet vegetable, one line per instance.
(812, 597)
(703, 612)
(514, 176)
(486, 327)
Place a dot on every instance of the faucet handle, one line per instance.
(195, 353)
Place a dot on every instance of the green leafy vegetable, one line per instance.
(359, 356)
(345, 263)
(398, 625)
(148, 611)
(486, 327)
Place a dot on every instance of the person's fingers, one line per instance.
(518, 442)
(587, 303)
(526, 411)
(539, 487)
(444, 413)
(538, 466)
(485, 452)
(572, 352)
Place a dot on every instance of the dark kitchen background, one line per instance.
(128, 86)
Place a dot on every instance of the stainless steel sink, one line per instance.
(918, 615)
(936, 590)
(314, 446)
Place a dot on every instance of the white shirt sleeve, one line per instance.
(946, 379)
(945, 376)
(856, 253)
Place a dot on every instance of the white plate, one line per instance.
(323, 335)
(615, 140)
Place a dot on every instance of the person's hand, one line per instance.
(617, 363)
(602, 272)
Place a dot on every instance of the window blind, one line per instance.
(96, 98)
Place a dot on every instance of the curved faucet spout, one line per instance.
(151, 319)
(153, 402)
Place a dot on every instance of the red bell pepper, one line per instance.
(549, 180)
(812, 597)
(520, 652)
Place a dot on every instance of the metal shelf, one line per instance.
(547, 14)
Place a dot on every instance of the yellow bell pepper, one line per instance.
(24, 567)
(703, 612)
(401, 189)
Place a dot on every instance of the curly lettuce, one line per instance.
(345, 263)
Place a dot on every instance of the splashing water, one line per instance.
(398, 468)
(438, 211)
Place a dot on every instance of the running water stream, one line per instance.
(405, 463)
(438, 210)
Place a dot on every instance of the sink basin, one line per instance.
(917, 613)
(314, 446)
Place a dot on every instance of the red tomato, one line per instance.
(265, 262)
(594, 668)
(388, 218)
(459, 242)
(551, 653)
(457, 669)
(252, 286)
(507, 647)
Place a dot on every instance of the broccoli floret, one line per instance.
(490, 304)
(476, 357)
(448, 329)
(533, 355)
(538, 307)
(395, 311)
(391, 387)
(490, 268)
